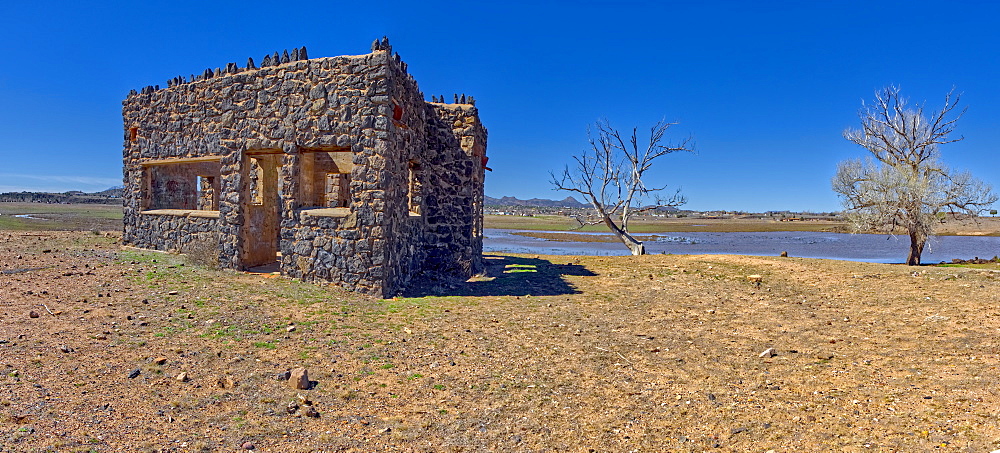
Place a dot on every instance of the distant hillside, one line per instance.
(113, 192)
(112, 195)
(568, 202)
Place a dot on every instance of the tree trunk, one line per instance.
(632, 243)
(916, 248)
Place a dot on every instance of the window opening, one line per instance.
(186, 184)
(326, 178)
(208, 197)
(256, 175)
(414, 188)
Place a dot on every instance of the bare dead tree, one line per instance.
(904, 186)
(610, 173)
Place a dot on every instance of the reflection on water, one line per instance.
(854, 247)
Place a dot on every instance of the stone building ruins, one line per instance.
(336, 169)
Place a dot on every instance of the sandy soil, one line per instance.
(650, 354)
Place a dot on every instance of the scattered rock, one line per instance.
(33, 314)
(290, 329)
(65, 349)
(284, 375)
(299, 379)
(160, 360)
(172, 293)
(225, 382)
(824, 355)
(768, 353)
(134, 373)
(182, 377)
(784, 254)
(310, 412)
(291, 408)
(248, 446)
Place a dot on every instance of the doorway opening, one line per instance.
(262, 209)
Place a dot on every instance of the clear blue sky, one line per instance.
(765, 87)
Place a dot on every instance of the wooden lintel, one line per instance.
(182, 213)
(180, 160)
(326, 212)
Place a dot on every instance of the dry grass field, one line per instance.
(646, 354)
(63, 217)
(984, 226)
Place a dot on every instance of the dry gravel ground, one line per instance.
(649, 354)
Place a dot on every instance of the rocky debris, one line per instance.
(976, 260)
(160, 360)
(225, 382)
(248, 446)
(824, 355)
(284, 375)
(134, 373)
(768, 353)
(33, 314)
(299, 379)
(290, 328)
(65, 349)
(182, 377)
(303, 402)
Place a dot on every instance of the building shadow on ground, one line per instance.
(507, 276)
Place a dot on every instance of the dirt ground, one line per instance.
(644, 354)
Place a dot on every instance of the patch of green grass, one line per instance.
(516, 268)
(992, 266)
(414, 376)
(264, 345)
(226, 331)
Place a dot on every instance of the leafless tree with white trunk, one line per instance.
(903, 186)
(610, 174)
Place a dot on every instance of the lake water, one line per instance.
(806, 244)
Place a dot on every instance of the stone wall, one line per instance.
(262, 141)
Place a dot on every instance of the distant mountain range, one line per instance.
(114, 195)
(568, 202)
(110, 195)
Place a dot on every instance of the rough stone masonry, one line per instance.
(333, 169)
